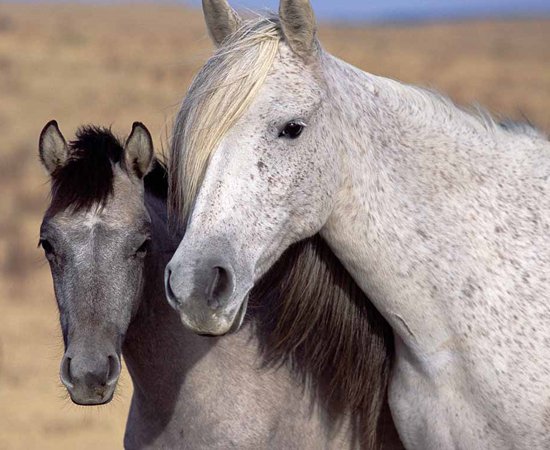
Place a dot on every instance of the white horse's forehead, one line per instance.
(291, 75)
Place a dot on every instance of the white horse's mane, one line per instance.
(218, 96)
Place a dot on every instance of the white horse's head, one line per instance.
(254, 163)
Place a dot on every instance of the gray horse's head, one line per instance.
(95, 236)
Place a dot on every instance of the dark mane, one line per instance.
(311, 314)
(87, 178)
(156, 181)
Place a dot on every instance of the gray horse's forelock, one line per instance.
(218, 96)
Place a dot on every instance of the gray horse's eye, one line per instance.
(292, 130)
(46, 245)
(142, 250)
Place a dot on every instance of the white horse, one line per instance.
(441, 216)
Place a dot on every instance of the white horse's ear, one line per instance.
(138, 150)
(299, 26)
(221, 20)
(52, 147)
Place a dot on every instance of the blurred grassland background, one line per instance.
(116, 64)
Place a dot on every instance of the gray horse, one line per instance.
(106, 238)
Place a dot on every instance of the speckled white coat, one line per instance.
(441, 216)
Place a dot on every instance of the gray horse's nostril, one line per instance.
(86, 371)
(90, 377)
(220, 287)
(65, 372)
(114, 370)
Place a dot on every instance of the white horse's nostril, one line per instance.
(220, 287)
(170, 294)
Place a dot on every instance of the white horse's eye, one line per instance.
(292, 130)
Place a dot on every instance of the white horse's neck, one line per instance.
(443, 220)
(408, 156)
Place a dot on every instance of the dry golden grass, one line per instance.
(114, 65)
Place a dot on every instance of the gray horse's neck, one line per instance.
(197, 392)
(441, 220)
(156, 348)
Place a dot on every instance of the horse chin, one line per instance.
(92, 400)
(239, 318)
(217, 327)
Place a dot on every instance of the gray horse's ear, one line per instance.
(221, 20)
(52, 147)
(299, 26)
(138, 150)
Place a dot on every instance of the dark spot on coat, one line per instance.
(422, 234)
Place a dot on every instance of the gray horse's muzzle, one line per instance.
(90, 378)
